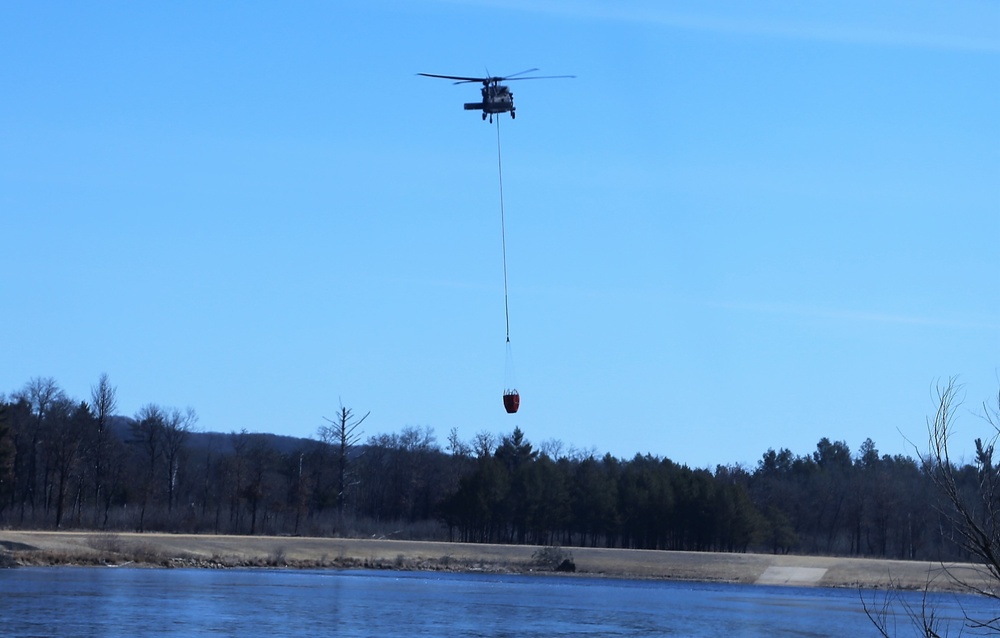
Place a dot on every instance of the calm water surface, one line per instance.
(66, 601)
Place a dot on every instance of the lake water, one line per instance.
(101, 601)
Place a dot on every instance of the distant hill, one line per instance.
(221, 441)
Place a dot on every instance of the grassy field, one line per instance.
(19, 548)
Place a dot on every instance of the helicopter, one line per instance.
(497, 98)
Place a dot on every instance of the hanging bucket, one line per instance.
(511, 401)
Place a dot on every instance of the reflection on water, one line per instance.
(67, 601)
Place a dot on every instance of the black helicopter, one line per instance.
(497, 98)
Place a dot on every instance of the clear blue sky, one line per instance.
(742, 226)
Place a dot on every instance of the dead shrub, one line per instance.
(7, 560)
(554, 558)
(277, 557)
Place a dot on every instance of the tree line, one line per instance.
(70, 463)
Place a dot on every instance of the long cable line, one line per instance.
(503, 235)
(511, 398)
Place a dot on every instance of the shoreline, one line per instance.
(116, 549)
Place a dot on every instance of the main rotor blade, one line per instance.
(542, 77)
(462, 79)
(518, 73)
(455, 77)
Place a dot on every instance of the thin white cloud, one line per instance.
(858, 315)
(844, 29)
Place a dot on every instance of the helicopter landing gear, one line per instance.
(484, 115)
(512, 114)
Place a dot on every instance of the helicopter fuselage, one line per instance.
(497, 98)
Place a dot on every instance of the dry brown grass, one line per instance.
(207, 551)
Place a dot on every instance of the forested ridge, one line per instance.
(71, 463)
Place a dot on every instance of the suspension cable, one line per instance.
(503, 234)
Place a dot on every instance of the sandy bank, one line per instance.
(182, 550)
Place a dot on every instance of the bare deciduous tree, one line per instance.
(971, 509)
(104, 402)
(65, 428)
(177, 426)
(41, 394)
(260, 459)
(553, 448)
(484, 444)
(342, 434)
(974, 514)
(457, 446)
(236, 471)
(922, 619)
(147, 434)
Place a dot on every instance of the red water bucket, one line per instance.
(511, 401)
